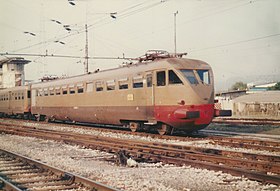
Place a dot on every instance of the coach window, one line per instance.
(99, 86)
(111, 85)
(22, 96)
(161, 78)
(28, 94)
(15, 96)
(46, 92)
(137, 82)
(173, 78)
(80, 88)
(51, 91)
(123, 84)
(72, 89)
(64, 90)
(57, 91)
(89, 86)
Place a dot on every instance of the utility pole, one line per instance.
(86, 52)
(175, 40)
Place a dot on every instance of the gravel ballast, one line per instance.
(147, 177)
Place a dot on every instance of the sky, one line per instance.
(240, 39)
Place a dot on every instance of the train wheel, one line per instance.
(164, 129)
(134, 126)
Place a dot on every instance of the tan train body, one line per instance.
(168, 91)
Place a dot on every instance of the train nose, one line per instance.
(186, 114)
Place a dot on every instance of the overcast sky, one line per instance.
(240, 39)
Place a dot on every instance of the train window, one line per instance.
(51, 91)
(204, 76)
(111, 85)
(161, 78)
(46, 93)
(72, 90)
(80, 88)
(189, 75)
(64, 91)
(149, 80)
(57, 91)
(173, 78)
(28, 94)
(138, 82)
(99, 86)
(89, 87)
(123, 84)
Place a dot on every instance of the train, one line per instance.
(161, 91)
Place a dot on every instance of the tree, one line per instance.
(275, 87)
(239, 86)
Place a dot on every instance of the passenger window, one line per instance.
(173, 78)
(138, 82)
(57, 91)
(149, 80)
(51, 91)
(99, 86)
(72, 90)
(161, 78)
(28, 94)
(46, 93)
(80, 88)
(89, 87)
(123, 84)
(64, 91)
(111, 85)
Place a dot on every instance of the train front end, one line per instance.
(190, 105)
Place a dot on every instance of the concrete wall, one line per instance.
(257, 110)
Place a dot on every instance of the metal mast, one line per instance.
(86, 52)
(175, 41)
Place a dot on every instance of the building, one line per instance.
(12, 72)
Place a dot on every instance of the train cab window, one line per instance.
(89, 87)
(173, 78)
(123, 84)
(149, 79)
(111, 85)
(80, 88)
(189, 75)
(137, 82)
(204, 76)
(99, 86)
(161, 78)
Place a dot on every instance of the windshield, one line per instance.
(204, 76)
(189, 75)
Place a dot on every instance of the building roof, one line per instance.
(267, 96)
(14, 60)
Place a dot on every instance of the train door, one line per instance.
(150, 97)
(33, 97)
(9, 102)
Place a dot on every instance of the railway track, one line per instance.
(263, 168)
(18, 173)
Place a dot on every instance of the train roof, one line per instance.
(136, 69)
